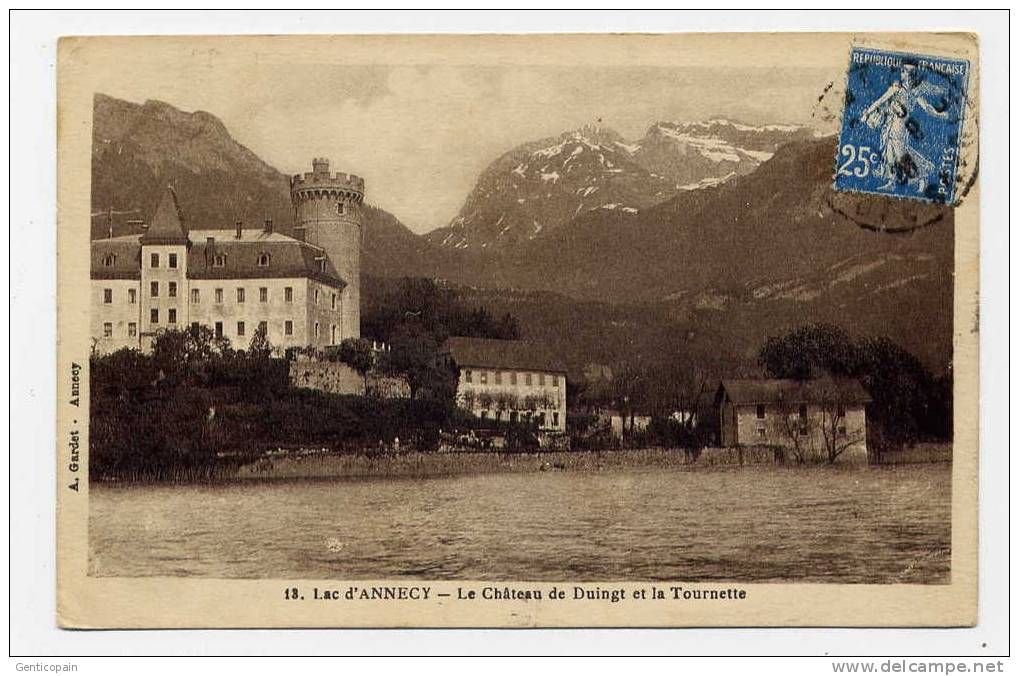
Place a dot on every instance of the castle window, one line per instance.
(316, 330)
(171, 316)
(195, 326)
(196, 297)
(334, 301)
(527, 379)
(240, 294)
(339, 208)
(154, 315)
(219, 261)
(263, 327)
(107, 296)
(803, 411)
(132, 329)
(555, 418)
(469, 376)
(263, 294)
(240, 328)
(498, 377)
(333, 335)
(107, 330)
(316, 296)
(760, 411)
(154, 260)
(171, 260)
(132, 296)
(154, 289)
(513, 378)
(840, 411)
(483, 377)
(288, 294)
(263, 260)
(288, 328)
(109, 260)
(555, 381)
(171, 289)
(219, 296)
(541, 379)
(322, 265)
(219, 329)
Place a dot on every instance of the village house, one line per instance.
(621, 423)
(301, 291)
(509, 380)
(822, 419)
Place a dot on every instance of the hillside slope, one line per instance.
(137, 150)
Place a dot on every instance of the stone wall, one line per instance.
(338, 378)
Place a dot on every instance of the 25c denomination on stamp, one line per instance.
(901, 125)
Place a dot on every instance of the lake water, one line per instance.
(870, 524)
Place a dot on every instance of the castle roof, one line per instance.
(523, 355)
(167, 225)
(120, 257)
(774, 391)
(117, 258)
(288, 257)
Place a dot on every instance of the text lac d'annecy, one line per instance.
(506, 593)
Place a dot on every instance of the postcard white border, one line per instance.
(32, 294)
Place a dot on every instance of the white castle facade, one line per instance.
(303, 290)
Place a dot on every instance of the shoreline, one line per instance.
(417, 464)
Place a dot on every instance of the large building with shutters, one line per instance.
(235, 280)
(509, 380)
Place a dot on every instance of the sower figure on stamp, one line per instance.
(894, 111)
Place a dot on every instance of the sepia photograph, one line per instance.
(689, 321)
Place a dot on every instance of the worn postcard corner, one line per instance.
(518, 331)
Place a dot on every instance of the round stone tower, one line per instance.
(327, 212)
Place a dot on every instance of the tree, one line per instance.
(836, 437)
(413, 355)
(260, 347)
(905, 394)
(357, 353)
(176, 351)
(810, 351)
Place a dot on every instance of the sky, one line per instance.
(421, 134)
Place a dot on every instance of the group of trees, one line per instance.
(420, 305)
(675, 389)
(909, 403)
(195, 405)
(415, 316)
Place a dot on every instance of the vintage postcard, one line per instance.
(518, 331)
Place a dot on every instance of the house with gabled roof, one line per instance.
(822, 418)
(509, 380)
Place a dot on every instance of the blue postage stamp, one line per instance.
(901, 125)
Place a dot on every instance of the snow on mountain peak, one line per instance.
(539, 186)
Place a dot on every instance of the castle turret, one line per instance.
(327, 210)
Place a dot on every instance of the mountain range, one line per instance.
(723, 231)
(537, 187)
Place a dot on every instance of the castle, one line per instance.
(303, 290)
